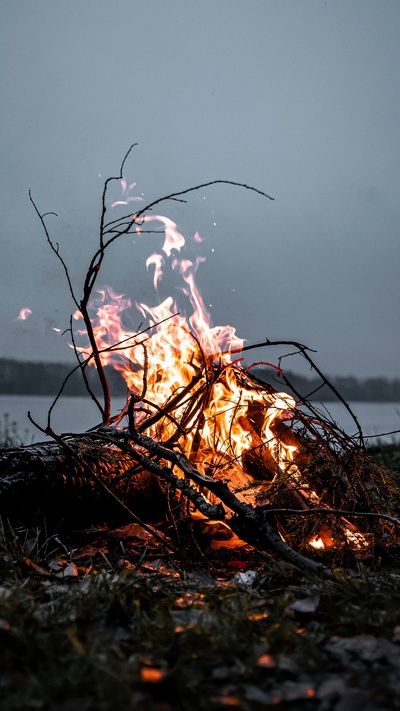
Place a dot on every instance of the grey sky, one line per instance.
(300, 99)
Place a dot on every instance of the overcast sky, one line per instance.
(299, 99)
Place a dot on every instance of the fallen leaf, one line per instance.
(55, 565)
(253, 693)
(89, 551)
(70, 571)
(75, 642)
(306, 605)
(245, 578)
(28, 565)
(265, 660)
(152, 675)
(225, 700)
(365, 647)
(131, 530)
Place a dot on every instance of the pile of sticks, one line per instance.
(155, 465)
(330, 491)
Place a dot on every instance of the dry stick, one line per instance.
(306, 421)
(163, 412)
(82, 306)
(91, 277)
(382, 434)
(83, 464)
(64, 383)
(210, 483)
(172, 196)
(119, 346)
(83, 367)
(197, 402)
(338, 512)
(192, 416)
(54, 247)
(249, 523)
(90, 280)
(328, 426)
(214, 512)
(340, 435)
(109, 180)
(173, 402)
(301, 417)
(95, 264)
(304, 352)
(97, 260)
(120, 439)
(105, 409)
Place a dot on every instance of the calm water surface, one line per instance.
(77, 414)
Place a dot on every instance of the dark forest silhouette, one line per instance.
(44, 378)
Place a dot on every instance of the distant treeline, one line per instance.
(350, 388)
(35, 378)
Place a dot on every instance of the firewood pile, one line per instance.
(299, 487)
(200, 437)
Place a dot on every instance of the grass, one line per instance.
(151, 641)
(9, 432)
(104, 620)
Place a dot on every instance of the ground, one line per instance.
(103, 619)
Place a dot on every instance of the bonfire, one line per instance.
(226, 450)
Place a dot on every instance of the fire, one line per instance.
(166, 360)
(189, 390)
(23, 314)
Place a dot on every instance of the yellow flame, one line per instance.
(164, 361)
(168, 358)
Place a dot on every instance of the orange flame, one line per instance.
(168, 357)
(164, 359)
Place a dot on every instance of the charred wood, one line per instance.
(45, 477)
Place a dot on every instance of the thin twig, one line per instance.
(54, 247)
(337, 512)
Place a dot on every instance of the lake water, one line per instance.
(77, 414)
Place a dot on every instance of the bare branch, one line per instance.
(54, 247)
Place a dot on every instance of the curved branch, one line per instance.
(173, 196)
(303, 350)
(53, 246)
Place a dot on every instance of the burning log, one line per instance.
(121, 471)
(196, 426)
(44, 477)
(76, 479)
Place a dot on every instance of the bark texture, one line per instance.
(78, 480)
(46, 477)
